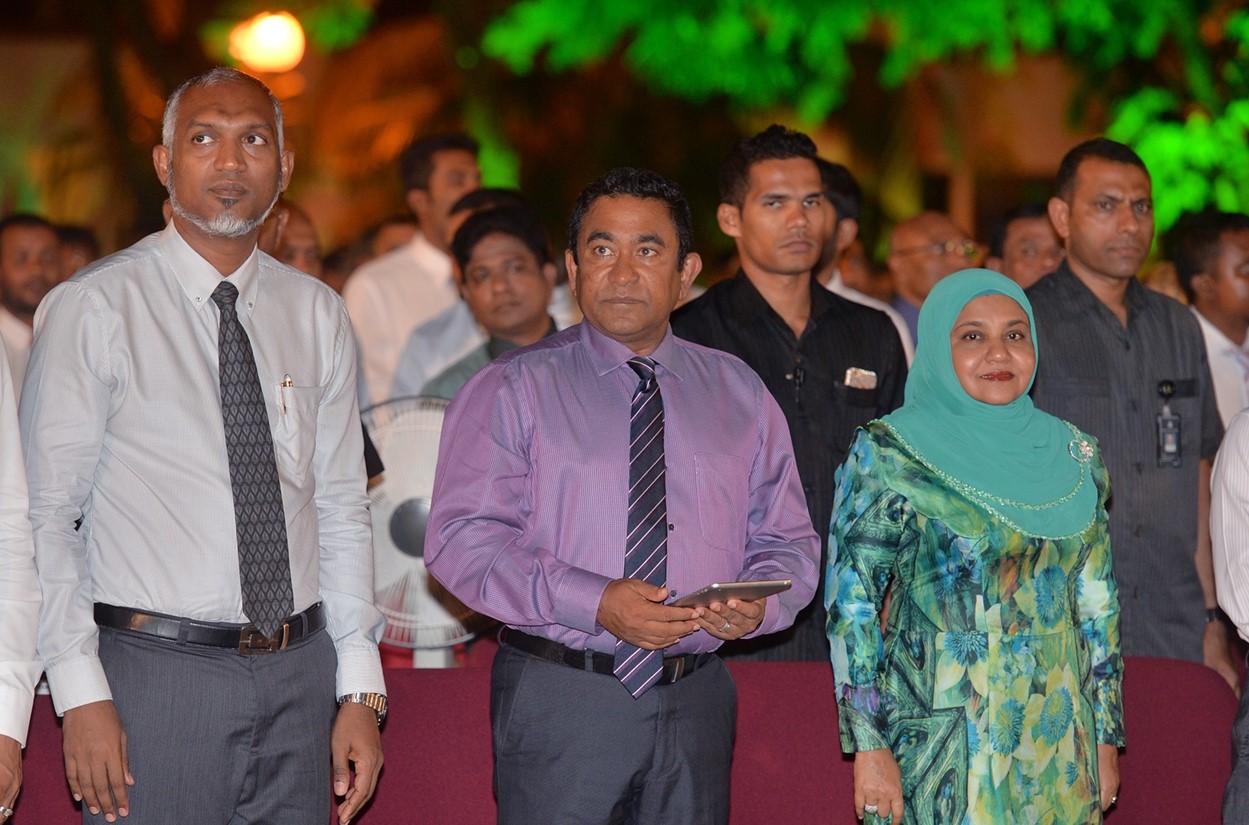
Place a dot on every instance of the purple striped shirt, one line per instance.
(531, 494)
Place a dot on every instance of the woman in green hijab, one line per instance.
(994, 693)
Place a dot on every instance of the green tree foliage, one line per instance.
(1176, 70)
(1196, 144)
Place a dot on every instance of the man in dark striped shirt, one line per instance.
(832, 365)
(1128, 366)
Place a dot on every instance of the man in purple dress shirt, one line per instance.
(531, 511)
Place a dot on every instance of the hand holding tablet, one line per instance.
(723, 591)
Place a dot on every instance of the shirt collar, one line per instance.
(198, 278)
(607, 354)
(1215, 336)
(1137, 299)
(1078, 296)
(432, 260)
(1081, 298)
(748, 304)
(497, 346)
(13, 328)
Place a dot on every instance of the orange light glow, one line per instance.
(268, 42)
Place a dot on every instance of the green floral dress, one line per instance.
(999, 672)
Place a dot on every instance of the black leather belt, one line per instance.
(675, 667)
(245, 639)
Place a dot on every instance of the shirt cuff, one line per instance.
(78, 682)
(359, 671)
(576, 604)
(15, 705)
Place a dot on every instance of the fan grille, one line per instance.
(420, 612)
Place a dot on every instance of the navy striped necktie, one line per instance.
(259, 517)
(646, 546)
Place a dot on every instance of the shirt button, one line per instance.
(1140, 468)
(1137, 531)
(806, 488)
(1132, 405)
(789, 376)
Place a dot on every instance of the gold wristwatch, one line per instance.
(374, 701)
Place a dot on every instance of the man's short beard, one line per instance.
(225, 224)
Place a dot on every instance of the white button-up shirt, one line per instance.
(16, 336)
(19, 587)
(1229, 367)
(389, 298)
(1229, 523)
(121, 420)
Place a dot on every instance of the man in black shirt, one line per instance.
(1128, 366)
(831, 364)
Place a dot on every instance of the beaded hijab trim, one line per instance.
(1081, 450)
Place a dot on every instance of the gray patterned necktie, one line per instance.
(260, 521)
(646, 546)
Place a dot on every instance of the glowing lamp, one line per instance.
(268, 42)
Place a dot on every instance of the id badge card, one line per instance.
(1168, 438)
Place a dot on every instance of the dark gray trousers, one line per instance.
(573, 746)
(218, 738)
(1236, 794)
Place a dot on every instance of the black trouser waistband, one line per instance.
(243, 638)
(675, 667)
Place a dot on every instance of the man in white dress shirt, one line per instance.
(390, 297)
(1229, 536)
(191, 399)
(29, 267)
(19, 601)
(1212, 265)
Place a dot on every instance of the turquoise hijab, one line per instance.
(1024, 465)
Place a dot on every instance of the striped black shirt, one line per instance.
(1104, 378)
(806, 375)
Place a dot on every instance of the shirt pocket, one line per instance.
(1084, 402)
(856, 398)
(852, 407)
(722, 482)
(296, 436)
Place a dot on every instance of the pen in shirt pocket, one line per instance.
(287, 382)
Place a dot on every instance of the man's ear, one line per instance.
(730, 219)
(288, 168)
(571, 265)
(689, 271)
(160, 159)
(1060, 216)
(549, 274)
(847, 230)
(457, 275)
(418, 202)
(1203, 286)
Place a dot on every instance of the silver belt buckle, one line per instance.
(252, 641)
